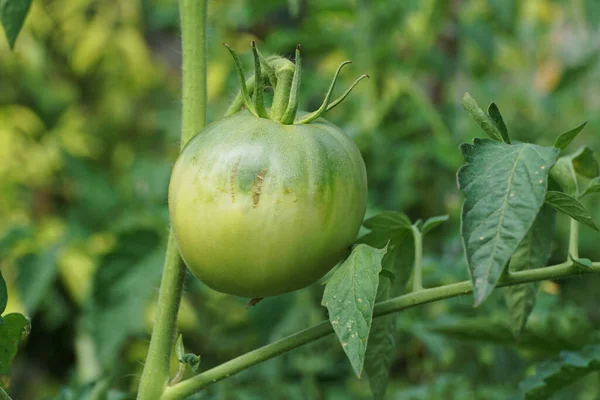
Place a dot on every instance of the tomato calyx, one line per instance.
(284, 77)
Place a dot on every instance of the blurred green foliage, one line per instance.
(89, 127)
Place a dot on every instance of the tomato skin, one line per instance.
(260, 208)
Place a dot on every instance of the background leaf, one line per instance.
(585, 163)
(570, 206)
(504, 187)
(533, 252)
(592, 187)
(12, 16)
(36, 273)
(564, 139)
(123, 285)
(350, 297)
(552, 376)
(14, 328)
(381, 346)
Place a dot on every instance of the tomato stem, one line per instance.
(281, 95)
(155, 375)
(285, 79)
(418, 266)
(397, 304)
(573, 240)
(292, 106)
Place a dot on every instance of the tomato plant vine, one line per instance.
(513, 191)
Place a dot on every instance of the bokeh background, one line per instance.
(89, 129)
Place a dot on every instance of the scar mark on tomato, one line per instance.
(232, 177)
(258, 181)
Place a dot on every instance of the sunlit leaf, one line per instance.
(350, 297)
(504, 186)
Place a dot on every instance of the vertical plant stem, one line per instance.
(418, 269)
(193, 31)
(573, 240)
(156, 370)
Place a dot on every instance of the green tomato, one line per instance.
(261, 208)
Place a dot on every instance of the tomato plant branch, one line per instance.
(413, 299)
(573, 240)
(193, 31)
(418, 269)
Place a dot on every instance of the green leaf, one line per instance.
(192, 361)
(350, 297)
(481, 118)
(394, 230)
(382, 343)
(553, 375)
(584, 263)
(388, 221)
(564, 174)
(3, 294)
(592, 187)
(388, 274)
(37, 273)
(12, 16)
(14, 329)
(432, 223)
(568, 205)
(576, 73)
(123, 286)
(504, 187)
(563, 140)
(585, 163)
(494, 113)
(570, 330)
(533, 252)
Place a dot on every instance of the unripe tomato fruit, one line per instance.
(261, 208)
